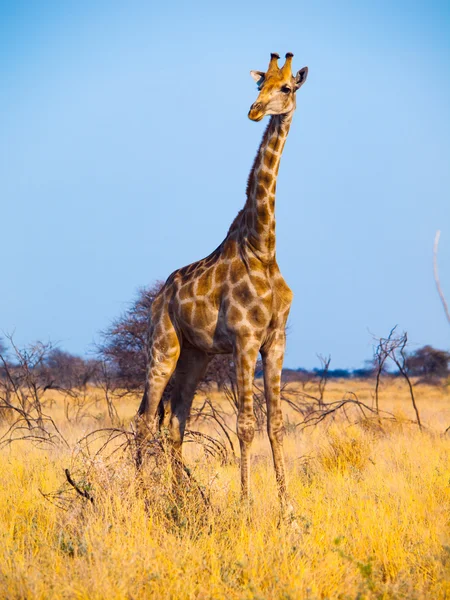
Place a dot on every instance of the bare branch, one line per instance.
(436, 275)
(79, 491)
(325, 360)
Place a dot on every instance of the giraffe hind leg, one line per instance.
(190, 369)
(163, 353)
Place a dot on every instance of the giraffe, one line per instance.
(233, 301)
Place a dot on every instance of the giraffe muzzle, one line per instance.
(256, 112)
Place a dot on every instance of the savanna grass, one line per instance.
(372, 507)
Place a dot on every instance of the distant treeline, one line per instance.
(301, 374)
(125, 367)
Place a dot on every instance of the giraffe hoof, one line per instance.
(144, 429)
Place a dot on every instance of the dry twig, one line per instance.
(436, 275)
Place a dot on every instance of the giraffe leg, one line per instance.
(272, 357)
(164, 350)
(245, 356)
(190, 369)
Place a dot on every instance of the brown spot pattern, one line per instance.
(242, 293)
(237, 271)
(220, 273)
(204, 283)
(256, 316)
(235, 314)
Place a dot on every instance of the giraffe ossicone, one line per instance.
(233, 301)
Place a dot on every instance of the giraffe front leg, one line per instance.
(272, 357)
(245, 356)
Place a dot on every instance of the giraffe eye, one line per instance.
(285, 89)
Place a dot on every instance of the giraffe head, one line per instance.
(277, 88)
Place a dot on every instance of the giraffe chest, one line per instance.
(259, 292)
(231, 301)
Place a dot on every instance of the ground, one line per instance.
(371, 505)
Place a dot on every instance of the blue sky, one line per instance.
(126, 146)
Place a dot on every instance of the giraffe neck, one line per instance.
(258, 217)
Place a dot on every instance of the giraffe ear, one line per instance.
(300, 78)
(258, 76)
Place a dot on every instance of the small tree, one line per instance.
(64, 370)
(123, 346)
(429, 363)
(22, 390)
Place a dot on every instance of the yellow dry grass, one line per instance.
(372, 507)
